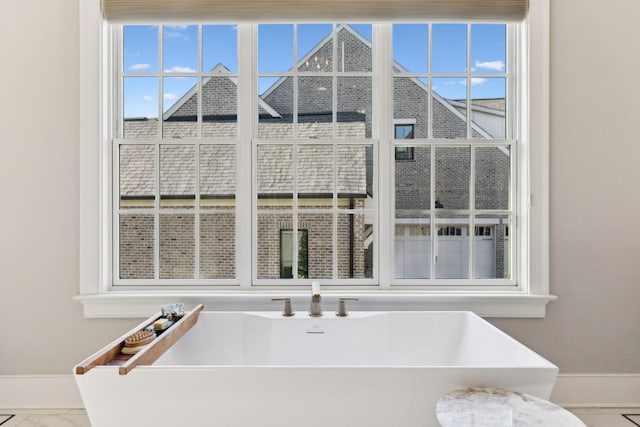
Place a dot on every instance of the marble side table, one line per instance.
(492, 407)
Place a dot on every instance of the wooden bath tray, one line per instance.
(111, 355)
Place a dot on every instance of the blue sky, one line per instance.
(219, 43)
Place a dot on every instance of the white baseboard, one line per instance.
(571, 390)
(597, 390)
(39, 391)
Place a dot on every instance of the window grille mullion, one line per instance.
(160, 80)
(246, 152)
(199, 122)
(156, 212)
(472, 210)
(432, 211)
(334, 82)
(196, 219)
(294, 85)
(430, 86)
(469, 85)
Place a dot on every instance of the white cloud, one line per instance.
(491, 65)
(175, 32)
(179, 69)
(170, 96)
(148, 98)
(474, 81)
(139, 67)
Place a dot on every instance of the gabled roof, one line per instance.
(397, 67)
(223, 71)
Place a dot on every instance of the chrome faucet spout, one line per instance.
(315, 309)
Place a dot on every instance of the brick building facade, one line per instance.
(315, 174)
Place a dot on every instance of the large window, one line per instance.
(305, 116)
(180, 170)
(462, 171)
(175, 152)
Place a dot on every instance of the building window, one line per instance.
(404, 153)
(187, 113)
(287, 259)
(456, 83)
(175, 151)
(314, 148)
(403, 130)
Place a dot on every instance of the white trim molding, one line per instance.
(597, 391)
(39, 392)
(144, 304)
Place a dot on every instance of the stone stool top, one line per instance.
(493, 407)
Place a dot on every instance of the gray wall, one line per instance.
(592, 328)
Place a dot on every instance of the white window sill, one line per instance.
(144, 304)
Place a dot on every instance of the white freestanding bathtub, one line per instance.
(370, 369)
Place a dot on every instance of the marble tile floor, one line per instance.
(592, 417)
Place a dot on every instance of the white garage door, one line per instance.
(413, 252)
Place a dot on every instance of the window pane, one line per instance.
(177, 246)
(180, 48)
(355, 176)
(488, 101)
(217, 245)
(177, 176)
(180, 107)
(140, 48)
(287, 249)
(219, 107)
(140, 107)
(275, 107)
(320, 245)
(275, 48)
(268, 244)
(450, 108)
(413, 184)
(315, 107)
(452, 247)
(449, 48)
(411, 102)
(413, 250)
(403, 131)
(275, 175)
(137, 176)
(315, 176)
(220, 48)
(354, 107)
(410, 46)
(217, 176)
(355, 246)
(493, 175)
(315, 52)
(137, 242)
(492, 247)
(453, 177)
(354, 48)
(488, 48)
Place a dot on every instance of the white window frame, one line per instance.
(99, 299)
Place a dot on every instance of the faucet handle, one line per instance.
(288, 312)
(342, 307)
